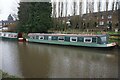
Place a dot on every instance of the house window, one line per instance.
(101, 23)
(109, 22)
(41, 37)
(61, 38)
(102, 16)
(88, 40)
(73, 39)
(109, 17)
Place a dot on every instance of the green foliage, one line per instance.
(34, 17)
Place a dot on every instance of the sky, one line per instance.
(10, 7)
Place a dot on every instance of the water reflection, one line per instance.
(38, 60)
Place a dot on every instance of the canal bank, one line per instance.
(115, 38)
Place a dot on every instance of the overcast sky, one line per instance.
(10, 7)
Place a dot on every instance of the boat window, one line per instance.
(49, 37)
(37, 37)
(87, 40)
(15, 35)
(31, 37)
(9, 35)
(103, 39)
(73, 39)
(41, 37)
(4, 34)
(61, 38)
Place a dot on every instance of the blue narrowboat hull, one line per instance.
(7, 38)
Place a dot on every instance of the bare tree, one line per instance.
(91, 10)
(54, 9)
(99, 6)
(58, 8)
(80, 13)
(119, 15)
(66, 8)
(54, 14)
(113, 5)
(80, 8)
(113, 9)
(61, 14)
(87, 6)
(116, 5)
(106, 13)
(90, 7)
(87, 15)
(74, 7)
(107, 3)
(99, 10)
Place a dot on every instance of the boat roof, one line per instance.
(59, 34)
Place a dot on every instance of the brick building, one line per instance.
(8, 25)
(102, 20)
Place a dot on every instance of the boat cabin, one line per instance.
(99, 39)
(9, 35)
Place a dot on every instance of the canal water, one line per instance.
(32, 60)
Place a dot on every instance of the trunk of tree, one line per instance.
(61, 9)
(91, 9)
(116, 6)
(119, 15)
(58, 15)
(74, 7)
(99, 10)
(61, 16)
(74, 13)
(80, 14)
(106, 15)
(87, 15)
(113, 5)
(54, 15)
(58, 9)
(66, 7)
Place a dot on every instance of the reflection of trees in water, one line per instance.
(34, 63)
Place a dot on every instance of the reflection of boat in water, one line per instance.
(11, 36)
(86, 40)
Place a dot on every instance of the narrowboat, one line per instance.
(11, 36)
(87, 40)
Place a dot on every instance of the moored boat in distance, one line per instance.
(11, 36)
(87, 40)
